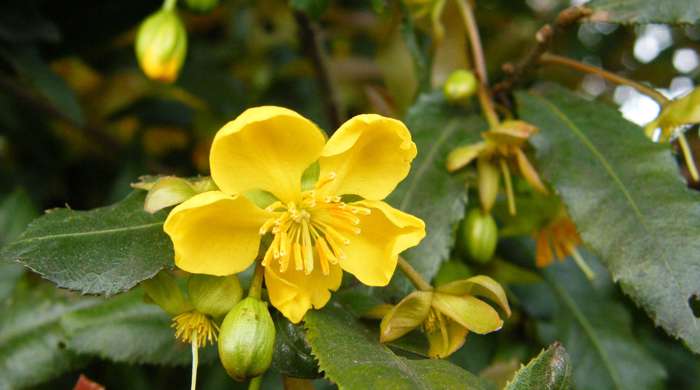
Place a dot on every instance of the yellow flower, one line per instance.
(316, 231)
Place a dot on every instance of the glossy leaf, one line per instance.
(125, 329)
(351, 356)
(550, 370)
(429, 191)
(645, 11)
(292, 356)
(101, 251)
(628, 201)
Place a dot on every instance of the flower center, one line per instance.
(312, 230)
(195, 326)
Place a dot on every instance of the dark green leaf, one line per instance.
(430, 192)
(594, 327)
(16, 211)
(101, 251)
(645, 11)
(292, 355)
(351, 356)
(125, 329)
(313, 8)
(32, 343)
(548, 371)
(628, 201)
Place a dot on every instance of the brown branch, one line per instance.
(310, 37)
(544, 37)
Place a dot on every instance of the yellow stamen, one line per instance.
(194, 326)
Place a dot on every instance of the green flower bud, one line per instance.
(479, 235)
(161, 44)
(163, 290)
(247, 339)
(214, 295)
(460, 85)
(202, 5)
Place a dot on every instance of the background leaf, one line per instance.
(645, 11)
(16, 210)
(628, 202)
(550, 370)
(125, 328)
(350, 355)
(595, 328)
(101, 251)
(32, 342)
(430, 192)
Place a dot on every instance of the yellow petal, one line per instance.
(214, 233)
(372, 255)
(529, 172)
(293, 292)
(472, 313)
(463, 155)
(406, 316)
(266, 148)
(369, 155)
(446, 338)
(480, 286)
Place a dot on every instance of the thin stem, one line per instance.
(195, 360)
(509, 186)
(582, 265)
(688, 156)
(255, 383)
(479, 61)
(169, 5)
(255, 290)
(548, 58)
(310, 37)
(413, 275)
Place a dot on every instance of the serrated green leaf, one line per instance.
(125, 328)
(32, 342)
(430, 192)
(101, 251)
(645, 11)
(350, 355)
(292, 356)
(628, 202)
(596, 329)
(549, 370)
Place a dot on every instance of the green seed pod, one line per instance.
(247, 339)
(161, 45)
(202, 5)
(480, 235)
(460, 85)
(214, 295)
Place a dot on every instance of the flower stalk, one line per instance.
(255, 290)
(413, 275)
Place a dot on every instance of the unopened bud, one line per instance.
(480, 235)
(247, 339)
(161, 45)
(460, 85)
(214, 295)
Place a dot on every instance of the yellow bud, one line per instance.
(161, 45)
(170, 191)
(247, 339)
(214, 295)
(460, 85)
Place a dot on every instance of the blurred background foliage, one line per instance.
(79, 121)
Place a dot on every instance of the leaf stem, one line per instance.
(582, 265)
(255, 383)
(509, 186)
(549, 58)
(465, 10)
(255, 290)
(688, 156)
(195, 359)
(169, 5)
(413, 275)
